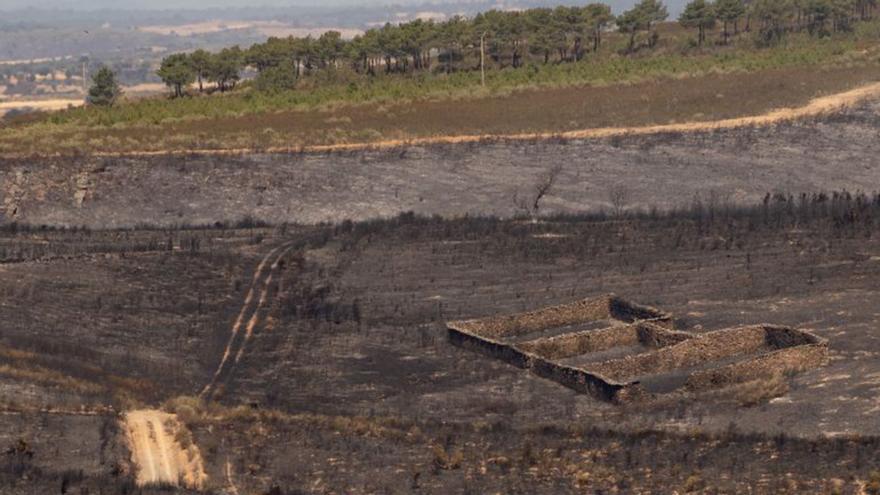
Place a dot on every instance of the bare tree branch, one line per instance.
(618, 196)
(544, 186)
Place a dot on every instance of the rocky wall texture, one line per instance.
(692, 363)
(579, 312)
(564, 346)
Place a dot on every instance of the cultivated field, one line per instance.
(663, 100)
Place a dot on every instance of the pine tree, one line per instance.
(105, 89)
(177, 72)
(700, 15)
(200, 61)
(729, 12)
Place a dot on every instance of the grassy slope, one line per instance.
(671, 84)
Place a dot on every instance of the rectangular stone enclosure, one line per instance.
(619, 351)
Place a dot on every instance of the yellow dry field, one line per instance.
(45, 105)
(267, 28)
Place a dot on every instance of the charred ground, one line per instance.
(740, 165)
(352, 364)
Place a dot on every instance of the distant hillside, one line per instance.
(111, 31)
(342, 8)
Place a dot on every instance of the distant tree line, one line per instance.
(772, 19)
(223, 68)
(502, 39)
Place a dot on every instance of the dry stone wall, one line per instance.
(650, 349)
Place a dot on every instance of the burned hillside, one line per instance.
(349, 356)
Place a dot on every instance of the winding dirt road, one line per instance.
(815, 107)
(159, 456)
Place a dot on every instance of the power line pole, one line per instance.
(483, 59)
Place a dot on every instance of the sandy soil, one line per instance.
(159, 457)
(56, 104)
(230, 482)
(663, 171)
(144, 89)
(197, 27)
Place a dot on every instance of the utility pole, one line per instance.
(483, 59)
(84, 77)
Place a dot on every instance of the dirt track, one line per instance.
(258, 292)
(153, 435)
(155, 450)
(663, 170)
(816, 107)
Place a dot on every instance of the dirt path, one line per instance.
(153, 435)
(158, 454)
(229, 481)
(254, 304)
(816, 107)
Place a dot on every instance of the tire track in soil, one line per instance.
(156, 452)
(158, 455)
(252, 311)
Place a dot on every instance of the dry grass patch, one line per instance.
(195, 411)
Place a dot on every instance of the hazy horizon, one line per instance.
(196, 4)
(316, 5)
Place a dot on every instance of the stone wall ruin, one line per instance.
(619, 351)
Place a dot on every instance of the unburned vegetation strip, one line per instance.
(619, 92)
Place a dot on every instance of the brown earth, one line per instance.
(542, 111)
(602, 112)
